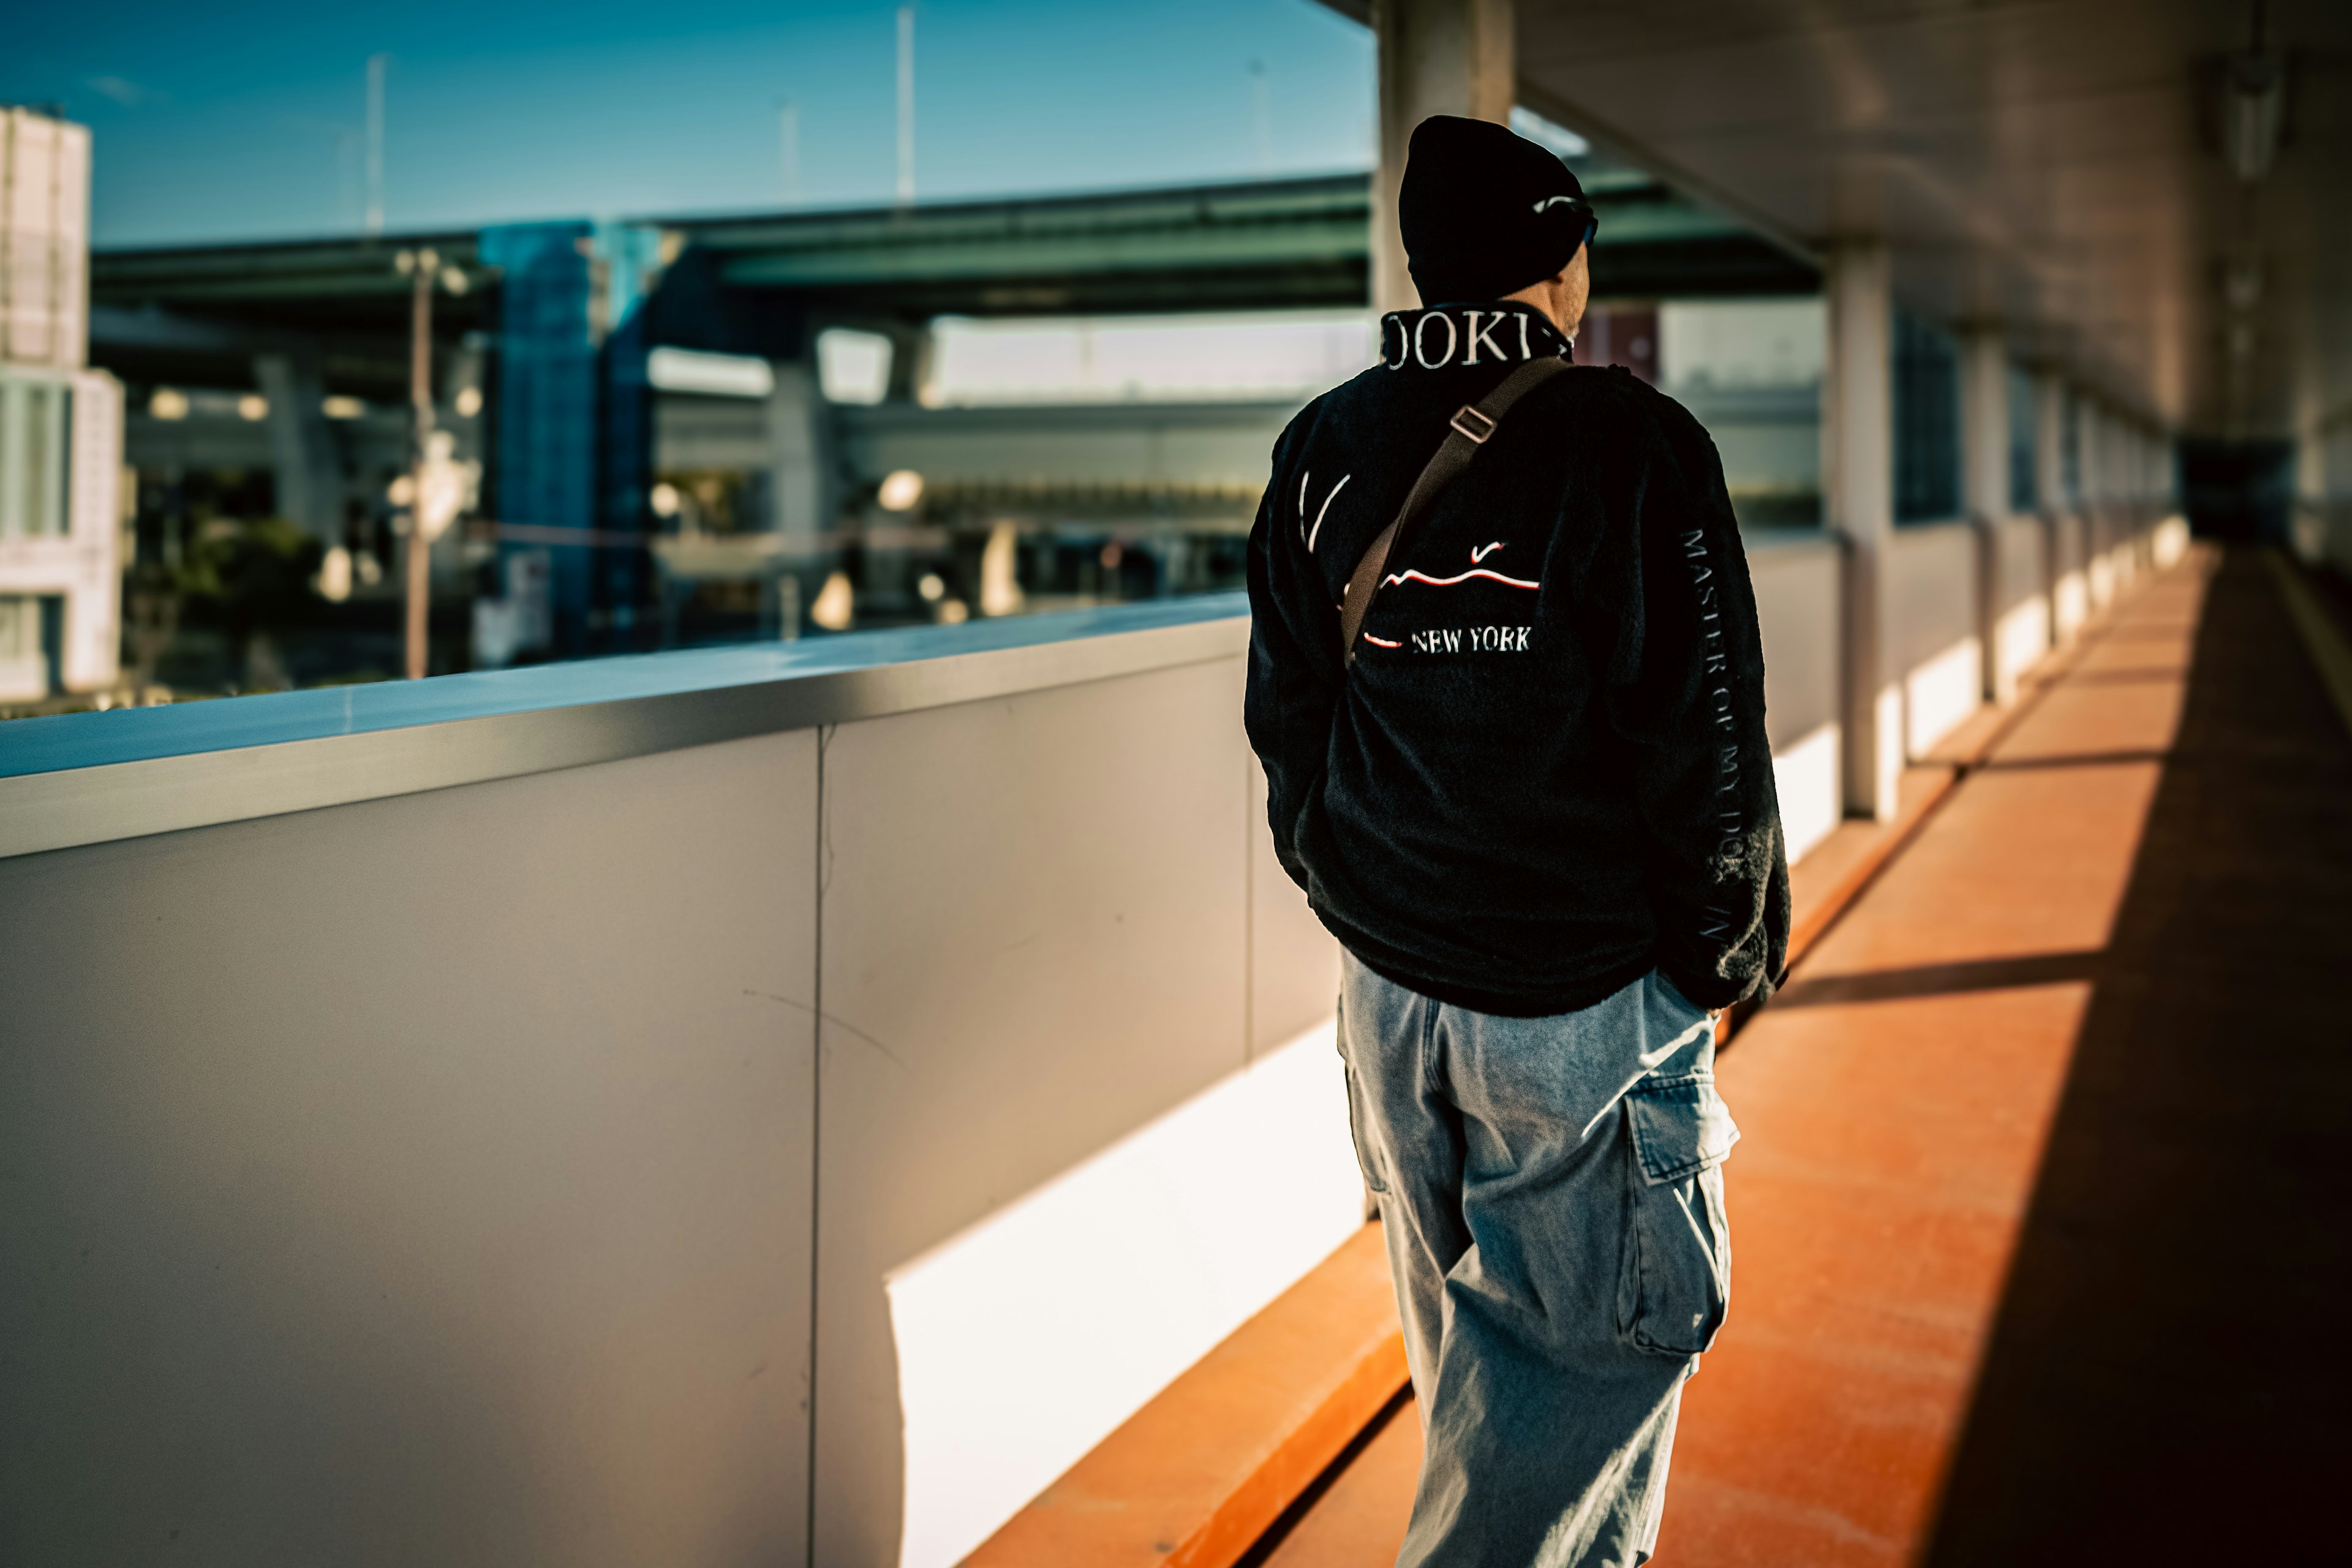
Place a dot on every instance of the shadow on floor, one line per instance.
(1941, 979)
(2075, 760)
(2166, 1375)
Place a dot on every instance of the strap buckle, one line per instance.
(1470, 411)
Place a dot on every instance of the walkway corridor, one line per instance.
(2038, 1190)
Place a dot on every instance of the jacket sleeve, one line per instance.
(1295, 670)
(1685, 693)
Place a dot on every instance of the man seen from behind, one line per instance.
(1516, 756)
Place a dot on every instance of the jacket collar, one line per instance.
(1500, 332)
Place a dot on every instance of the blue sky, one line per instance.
(243, 120)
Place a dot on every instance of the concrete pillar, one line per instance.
(1435, 57)
(308, 473)
(911, 348)
(2120, 473)
(1984, 488)
(2126, 523)
(2128, 466)
(2307, 523)
(2115, 436)
(2311, 525)
(2062, 513)
(2325, 486)
(1984, 423)
(2143, 478)
(2090, 489)
(2049, 496)
(2128, 520)
(2097, 450)
(2143, 508)
(2095, 433)
(2126, 447)
(800, 444)
(1858, 502)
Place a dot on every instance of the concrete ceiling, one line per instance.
(2055, 164)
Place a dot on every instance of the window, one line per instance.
(24, 656)
(2024, 476)
(34, 419)
(2070, 444)
(1927, 422)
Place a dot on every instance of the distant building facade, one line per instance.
(60, 426)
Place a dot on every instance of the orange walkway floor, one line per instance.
(2035, 1220)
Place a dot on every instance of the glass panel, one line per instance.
(11, 458)
(40, 461)
(33, 432)
(61, 481)
(2024, 481)
(1927, 422)
(1750, 370)
(24, 666)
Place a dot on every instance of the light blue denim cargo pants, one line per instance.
(1554, 1208)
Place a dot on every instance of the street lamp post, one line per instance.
(422, 267)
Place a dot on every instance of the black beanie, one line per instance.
(1485, 212)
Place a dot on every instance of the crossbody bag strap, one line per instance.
(1472, 425)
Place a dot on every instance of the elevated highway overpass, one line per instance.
(196, 314)
(544, 346)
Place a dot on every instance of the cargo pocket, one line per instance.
(1675, 1280)
(1366, 1162)
(1367, 1159)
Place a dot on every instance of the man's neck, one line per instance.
(1550, 297)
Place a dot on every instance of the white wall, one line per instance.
(1035, 944)
(2102, 578)
(2168, 542)
(1797, 578)
(2017, 611)
(1024, 1340)
(421, 1180)
(1933, 650)
(453, 1176)
(2070, 595)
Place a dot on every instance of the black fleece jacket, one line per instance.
(1547, 772)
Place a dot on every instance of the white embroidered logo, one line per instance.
(1321, 509)
(1455, 639)
(1416, 343)
(1478, 554)
(1478, 639)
